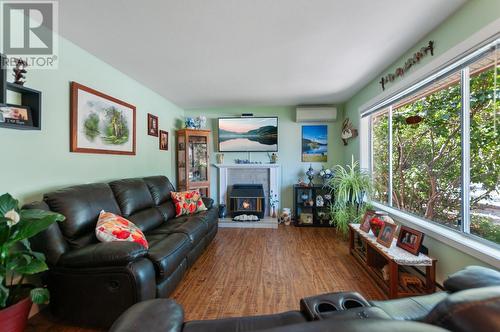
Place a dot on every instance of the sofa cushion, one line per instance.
(167, 252)
(132, 195)
(187, 202)
(167, 210)
(111, 227)
(81, 206)
(160, 188)
(209, 217)
(147, 219)
(472, 277)
(193, 226)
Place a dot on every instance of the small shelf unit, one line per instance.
(29, 97)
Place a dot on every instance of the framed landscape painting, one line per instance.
(100, 123)
(315, 143)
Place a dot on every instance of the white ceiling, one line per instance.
(210, 53)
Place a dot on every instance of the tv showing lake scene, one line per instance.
(315, 143)
(256, 134)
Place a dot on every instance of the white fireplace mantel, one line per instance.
(274, 179)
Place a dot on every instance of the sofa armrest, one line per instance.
(154, 315)
(209, 203)
(117, 253)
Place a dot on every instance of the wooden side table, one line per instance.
(372, 256)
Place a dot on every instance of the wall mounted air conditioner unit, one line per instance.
(315, 114)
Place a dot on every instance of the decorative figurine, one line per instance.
(190, 123)
(319, 201)
(348, 131)
(19, 71)
(200, 122)
(301, 182)
(220, 158)
(273, 158)
(304, 196)
(310, 175)
(325, 174)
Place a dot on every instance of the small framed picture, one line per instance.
(163, 140)
(15, 114)
(365, 222)
(410, 240)
(386, 234)
(152, 125)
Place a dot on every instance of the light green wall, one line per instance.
(470, 18)
(34, 162)
(289, 138)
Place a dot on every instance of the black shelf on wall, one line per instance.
(29, 97)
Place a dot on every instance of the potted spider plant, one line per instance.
(17, 261)
(349, 187)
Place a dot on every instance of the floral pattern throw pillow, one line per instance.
(111, 227)
(187, 202)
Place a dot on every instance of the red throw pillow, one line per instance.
(187, 202)
(111, 227)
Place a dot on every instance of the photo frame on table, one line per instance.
(101, 123)
(163, 140)
(16, 114)
(152, 125)
(365, 222)
(410, 240)
(386, 234)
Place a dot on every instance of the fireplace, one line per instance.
(247, 199)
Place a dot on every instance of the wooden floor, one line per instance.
(259, 271)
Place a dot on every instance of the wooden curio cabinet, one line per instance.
(193, 168)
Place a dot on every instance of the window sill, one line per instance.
(477, 249)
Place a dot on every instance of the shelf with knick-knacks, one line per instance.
(311, 205)
(24, 112)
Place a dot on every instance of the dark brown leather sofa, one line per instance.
(91, 282)
(471, 302)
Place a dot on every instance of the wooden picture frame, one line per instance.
(163, 140)
(16, 115)
(152, 125)
(410, 240)
(100, 123)
(386, 234)
(365, 222)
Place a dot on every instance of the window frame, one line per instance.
(461, 239)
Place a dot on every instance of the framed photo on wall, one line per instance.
(101, 123)
(163, 140)
(152, 125)
(315, 143)
(410, 239)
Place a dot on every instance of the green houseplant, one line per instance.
(349, 185)
(17, 261)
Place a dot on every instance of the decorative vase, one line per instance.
(220, 158)
(376, 225)
(15, 317)
(273, 213)
(310, 175)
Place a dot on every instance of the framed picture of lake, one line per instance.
(100, 123)
(245, 134)
(315, 143)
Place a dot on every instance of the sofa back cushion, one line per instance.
(160, 188)
(81, 206)
(136, 203)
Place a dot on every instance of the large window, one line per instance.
(435, 150)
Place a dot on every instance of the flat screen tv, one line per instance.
(255, 134)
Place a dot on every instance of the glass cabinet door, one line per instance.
(181, 161)
(198, 158)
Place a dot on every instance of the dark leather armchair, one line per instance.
(471, 304)
(92, 283)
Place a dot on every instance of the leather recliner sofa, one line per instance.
(471, 302)
(93, 282)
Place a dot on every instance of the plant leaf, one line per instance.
(40, 295)
(7, 203)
